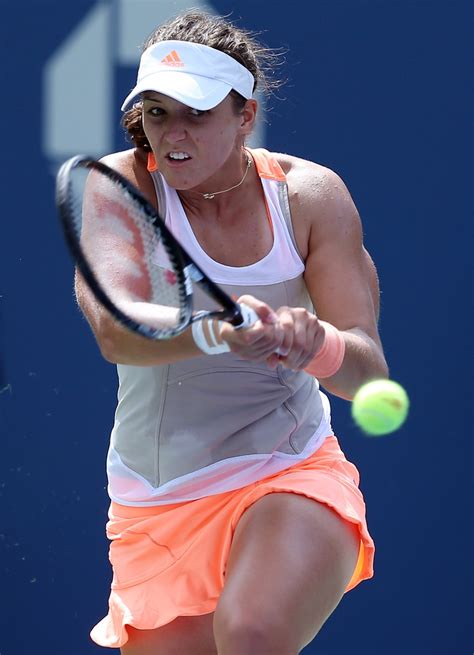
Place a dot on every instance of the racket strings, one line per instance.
(125, 252)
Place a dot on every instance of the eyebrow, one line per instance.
(148, 99)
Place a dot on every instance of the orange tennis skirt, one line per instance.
(170, 560)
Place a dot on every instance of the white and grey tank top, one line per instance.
(211, 424)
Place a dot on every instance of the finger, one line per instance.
(266, 344)
(297, 344)
(257, 342)
(302, 349)
(264, 312)
(286, 323)
(315, 339)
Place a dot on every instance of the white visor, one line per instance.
(196, 75)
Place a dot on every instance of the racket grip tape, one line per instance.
(249, 316)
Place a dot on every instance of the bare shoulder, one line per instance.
(298, 167)
(126, 162)
(319, 199)
(311, 182)
(132, 164)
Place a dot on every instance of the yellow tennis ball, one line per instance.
(380, 407)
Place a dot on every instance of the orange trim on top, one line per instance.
(267, 165)
(151, 164)
(268, 168)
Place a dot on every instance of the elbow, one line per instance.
(384, 370)
(374, 368)
(381, 365)
(109, 338)
(108, 350)
(372, 364)
(120, 346)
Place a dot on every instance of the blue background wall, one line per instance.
(377, 90)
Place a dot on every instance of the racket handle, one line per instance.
(249, 316)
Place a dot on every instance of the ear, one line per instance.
(248, 116)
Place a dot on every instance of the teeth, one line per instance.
(178, 155)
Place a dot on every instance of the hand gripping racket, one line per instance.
(129, 259)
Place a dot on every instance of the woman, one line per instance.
(236, 522)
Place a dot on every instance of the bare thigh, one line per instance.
(290, 563)
(186, 634)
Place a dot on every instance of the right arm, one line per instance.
(121, 346)
(116, 343)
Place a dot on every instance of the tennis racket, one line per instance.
(129, 259)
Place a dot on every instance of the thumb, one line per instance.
(264, 312)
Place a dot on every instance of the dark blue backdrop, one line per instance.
(377, 90)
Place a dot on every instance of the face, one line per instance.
(194, 148)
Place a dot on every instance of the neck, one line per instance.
(224, 206)
(248, 162)
(222, 196)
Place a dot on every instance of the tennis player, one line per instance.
(236, 522)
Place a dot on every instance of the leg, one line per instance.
(290, 562)
(186, 634)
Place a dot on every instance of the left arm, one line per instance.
(340, 277)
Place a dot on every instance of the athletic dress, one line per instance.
(196, 442)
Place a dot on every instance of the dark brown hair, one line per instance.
(215, 32)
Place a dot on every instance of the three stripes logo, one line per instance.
(173, 59)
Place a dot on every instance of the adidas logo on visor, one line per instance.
(173, 59)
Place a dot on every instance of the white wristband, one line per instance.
(206, 337)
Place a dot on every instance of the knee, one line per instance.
(241, 631)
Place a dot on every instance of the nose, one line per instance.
(175, 130)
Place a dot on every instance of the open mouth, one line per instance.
(178, 156)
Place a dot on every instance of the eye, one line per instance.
(155, 111)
